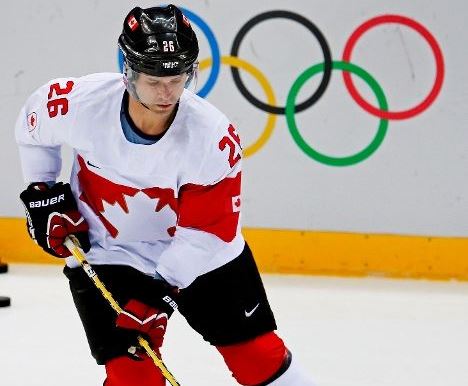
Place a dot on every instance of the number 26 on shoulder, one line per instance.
(232, 141)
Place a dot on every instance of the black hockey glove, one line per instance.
(52, 215)
(150, 320)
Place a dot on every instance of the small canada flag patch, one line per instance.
(32, 121)
(186, 21)
(132, 23)
(236, 204)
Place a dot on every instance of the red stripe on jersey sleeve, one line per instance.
(214, 209)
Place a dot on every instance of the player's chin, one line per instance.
(161, 108)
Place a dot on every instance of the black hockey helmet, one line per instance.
(158, 41)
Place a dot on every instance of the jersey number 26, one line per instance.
(56, 105)
(230, 141)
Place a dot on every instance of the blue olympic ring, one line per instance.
(215, 53)
(120, 58)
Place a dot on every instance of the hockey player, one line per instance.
(154, 200)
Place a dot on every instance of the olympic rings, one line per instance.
(318, 35)
(326, 68)
(257, 74)
(336, 161)
(405, 114)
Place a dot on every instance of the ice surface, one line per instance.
(347, 332)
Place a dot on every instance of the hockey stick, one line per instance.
(73, 246)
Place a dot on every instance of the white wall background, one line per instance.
(415, 183)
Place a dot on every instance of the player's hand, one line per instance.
(149, 321)
(52, 215)
(146, 321)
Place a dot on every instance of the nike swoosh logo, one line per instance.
(249, 314)
(94, 166)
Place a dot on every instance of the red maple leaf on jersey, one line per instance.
(166, 196)
(96, 190)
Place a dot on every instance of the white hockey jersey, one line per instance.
(171, 207)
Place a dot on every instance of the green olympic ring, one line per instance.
(304, 146)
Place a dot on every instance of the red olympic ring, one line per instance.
(440, 68)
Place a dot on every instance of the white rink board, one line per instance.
(414, 183)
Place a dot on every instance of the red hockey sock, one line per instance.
(124, 371)
(255, 361)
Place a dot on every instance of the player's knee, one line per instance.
(258, 360)
(124, 371)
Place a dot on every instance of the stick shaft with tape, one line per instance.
(80, 256)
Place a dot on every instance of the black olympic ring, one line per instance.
(327, 71)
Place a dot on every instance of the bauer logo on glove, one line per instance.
(52, 215)
(52, 201)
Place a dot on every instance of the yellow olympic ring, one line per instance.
(255, 72)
